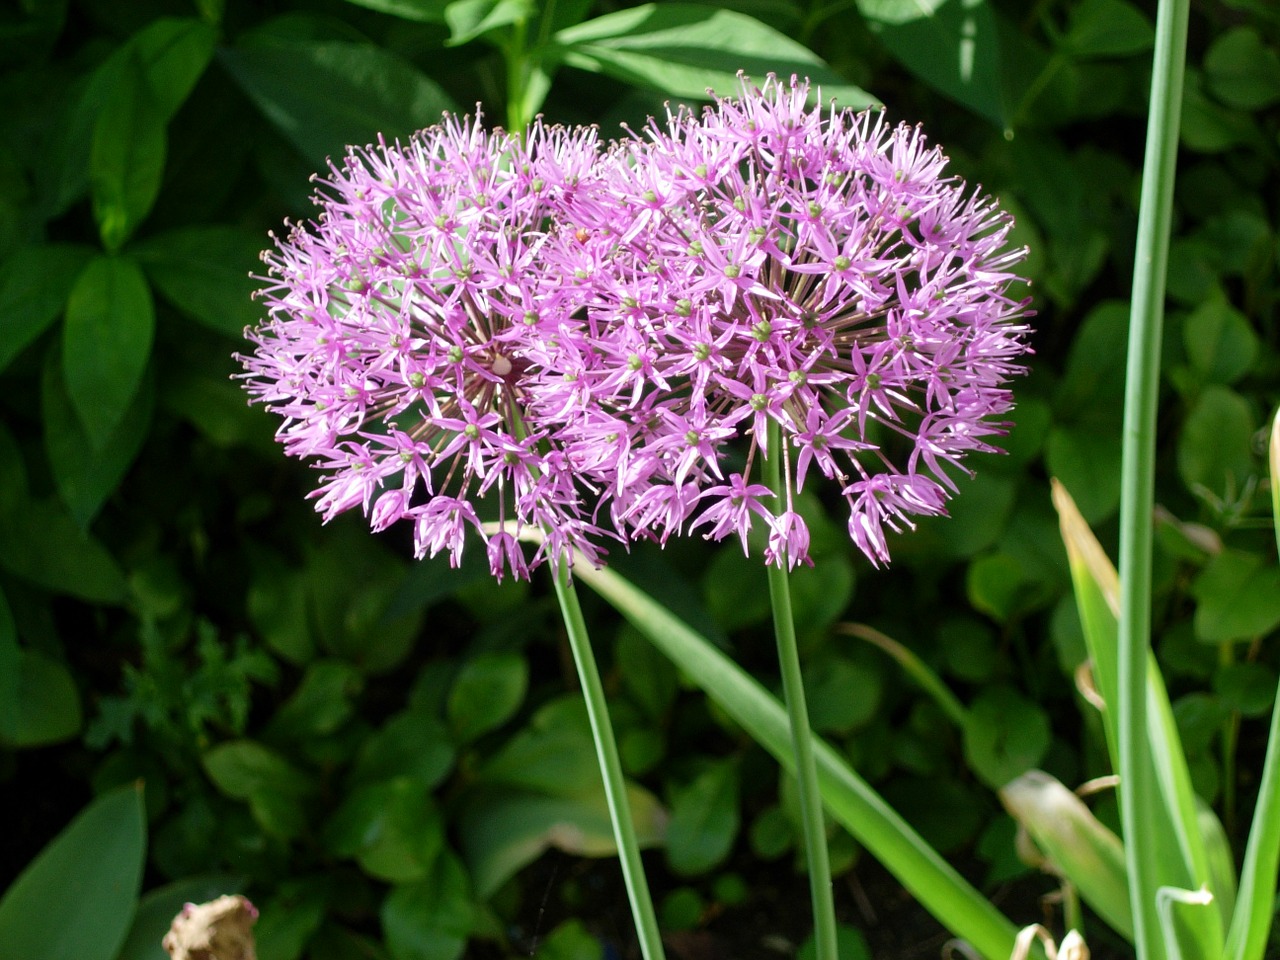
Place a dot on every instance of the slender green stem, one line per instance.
(514, 55)
(815, 834)
(615, 789)
(1139, 791)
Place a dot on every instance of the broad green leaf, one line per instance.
(127, 156)
(704, 820)
(240, 768)
(930, 878)
(412, 744)
(323, 95)
(1087, 460)
(352, 579)
(1249, 688)
(469, 19)
(277, 606)
(1107, 28)
(106, 343)
(1238, 597)
(290, 919)
(898, 11)
(684, 49)
(570, 941)
(1096, 364)
(1078, 846)
(1003, 587)
(75, 901)
(554, 753)
(954, 47)
(421, 11)
(33, 290)
(157, 909)
(87, 473)
(486, 694)
(173, 53)
(1219, 341)
(432, 918)
(392, 829)
(205, 272)
(321, 704)
(505, 830)
(1242, 70)
(48, 702)
(842, 695)
(40, 542)
(1005, 735)
(278, 793)
(1207, 126)
(1215, 446)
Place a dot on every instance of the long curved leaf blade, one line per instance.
(930, 878)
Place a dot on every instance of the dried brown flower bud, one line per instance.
(221, 929)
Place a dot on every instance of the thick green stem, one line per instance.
(815, 834)
(1139, 792)
(615, 788)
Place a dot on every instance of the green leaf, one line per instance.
(127, 156)
(87, 473)
(1107, 28)
(1242, 70)
(205, 272)
(106, 343)
(290, 919)
(570, 941)
(40, 542)
(683, 49)
(1005, 735)
(430, 919)
(469, 19)
(554, 753)
(841, 695)
(1215, 446)
(1078, 846)
(173, 53)
(75, 901)
(1238, 598)
(933, 881)
(953, 46)
(323, 95)
(33, 290)
(505, 830)
(392, 829)
(1219, 341)
(321, 704)
(47, 705)
(412, 744)
(1087, 461)
(421, 11)
(486, 694)
(704, 820)
(1249, 688)
(278, 793)
(157, 909)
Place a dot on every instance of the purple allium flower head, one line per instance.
(771, 262)
(398, 347)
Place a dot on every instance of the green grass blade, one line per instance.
(933, 881)
(1178, 844)
(1247, 935)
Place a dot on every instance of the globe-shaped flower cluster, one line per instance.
(608, 344)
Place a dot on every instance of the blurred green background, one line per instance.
(389, 757)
